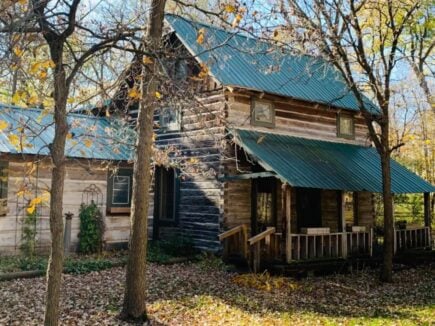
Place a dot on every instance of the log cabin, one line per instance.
(276, 160)
(270, 159)
(98, 169)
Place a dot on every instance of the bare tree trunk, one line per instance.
(55, 263)
(387, 266)
(135, 289)
(423, 83)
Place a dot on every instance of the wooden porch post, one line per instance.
(427, 210)
(342, 216)
(428, 216)
(286, 197)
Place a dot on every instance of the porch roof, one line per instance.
(320, 164)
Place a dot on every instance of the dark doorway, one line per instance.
(308, 207)
(263, 207)
(166, 197)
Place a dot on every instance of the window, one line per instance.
(170, 119)
(166, 196)
(349, 209)
(180, 70)
(3, 188)
(345, 126)
(119, 190)
(263, 113)
(264, 204)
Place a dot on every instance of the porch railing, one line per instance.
(312, 246)
(411, 238)
(235, 241)
(331, 245)
(264, 246)
(360, 243)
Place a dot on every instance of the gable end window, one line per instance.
(170, 119)
(3, 188)
(262, 113)
(119, 191)
(345, 126)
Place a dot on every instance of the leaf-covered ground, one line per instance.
(191, 294)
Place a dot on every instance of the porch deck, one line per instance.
(270, 247)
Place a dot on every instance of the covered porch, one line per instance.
(313, 200)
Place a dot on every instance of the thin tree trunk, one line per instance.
(387, 266)
(55, 263)
(423, 83)
(135, 289)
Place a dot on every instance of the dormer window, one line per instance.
(263, 113)
(345, 126)
(170, 119)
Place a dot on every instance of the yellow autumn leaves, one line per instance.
(34, 202)
(18, 142)
(233, 11)
(3, 125)
(200, 36)
(135, 94)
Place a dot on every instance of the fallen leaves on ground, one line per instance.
(189, 294)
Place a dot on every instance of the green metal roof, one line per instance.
(92, 137)
(241, 61)
(326, 165)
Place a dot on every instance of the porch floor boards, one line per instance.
(323, 266)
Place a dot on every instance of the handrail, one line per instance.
(261, 235)
(415, 237)
(231, 232)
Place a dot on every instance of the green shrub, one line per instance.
(178, 246)
(72, 266)
(32, 264)
(28, 245)
(209, 261)
(91, 229)
(156, 254)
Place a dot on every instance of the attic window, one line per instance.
(170, 119)
(345, 126)
(263, 113)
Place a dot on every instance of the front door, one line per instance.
(166, 193)
(263, 204)
(308, 207)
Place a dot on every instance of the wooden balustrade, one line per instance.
(411, 238)
(360, 243)
(266, 245)
(331, 245)
(235, 241)
(312, 246)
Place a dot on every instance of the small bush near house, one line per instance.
(209, 261)
(28, 244)
(91, 229)
(156, 254)
(178, 246)
(163, 251)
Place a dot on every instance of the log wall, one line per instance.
(79, 176)
(197, 150)
(296, 118)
